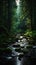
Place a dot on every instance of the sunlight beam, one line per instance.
(17, 2)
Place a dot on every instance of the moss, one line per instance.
(5, 50)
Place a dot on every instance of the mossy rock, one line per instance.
(20, 56)
(5, 51)
(25, 51)
(18, 50)
(3, 45)
(16, 45)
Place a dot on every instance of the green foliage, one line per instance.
(19, 14)
(28, 33)
(34, 36)
(31, 36)
(4, 49)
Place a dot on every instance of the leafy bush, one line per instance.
(31, 36)
(28, 33)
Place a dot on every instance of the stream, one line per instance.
(16, 57)
(16, 53)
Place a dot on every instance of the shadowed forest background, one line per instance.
(17, 18)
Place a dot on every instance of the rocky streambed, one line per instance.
(18, 53)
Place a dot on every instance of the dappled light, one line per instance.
(17, 2)
(17, 32)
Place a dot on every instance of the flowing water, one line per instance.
(16, 54)
(18, 62)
